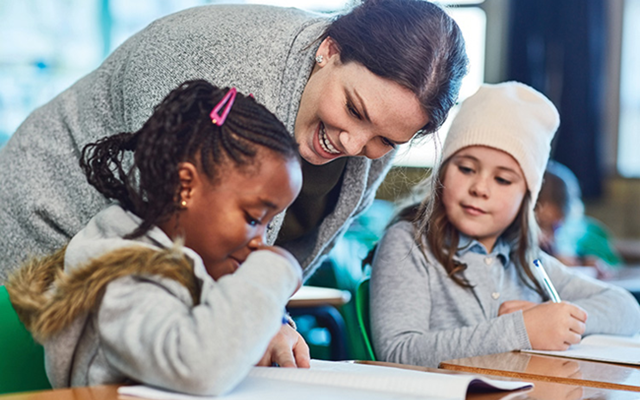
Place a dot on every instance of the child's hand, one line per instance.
(287, 349)
(512, 306)
(554, 326)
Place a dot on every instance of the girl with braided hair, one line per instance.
(172, 285)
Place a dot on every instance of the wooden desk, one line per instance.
(541, 391)
(313, 296)
(108, 392)
(537, 367)
(557, 391)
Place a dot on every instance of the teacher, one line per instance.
(350, 89)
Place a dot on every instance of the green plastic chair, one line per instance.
(362, 311)
(21, 358)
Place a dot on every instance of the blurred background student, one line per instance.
(567, 233)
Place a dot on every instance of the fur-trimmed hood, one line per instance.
(47, 299)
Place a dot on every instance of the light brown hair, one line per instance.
(435, 232)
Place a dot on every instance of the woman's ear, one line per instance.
(328, 49)
(189, 182)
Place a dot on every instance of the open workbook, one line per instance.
(343, 380)
(607, 348)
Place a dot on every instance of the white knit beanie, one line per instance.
(511, 117)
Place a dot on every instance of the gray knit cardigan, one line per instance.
(267, 51)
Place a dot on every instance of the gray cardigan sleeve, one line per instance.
(150, 333)
(610, 309)
(405, 291)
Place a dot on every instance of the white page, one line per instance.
(607, 348)
(266, 389)
(328, 379)
(379, 378)
(612, 340)
(619, 355)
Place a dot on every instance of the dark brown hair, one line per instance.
(411, 42)
(180, 130)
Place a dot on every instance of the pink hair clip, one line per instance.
(228, 99)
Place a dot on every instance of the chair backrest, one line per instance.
(362, 311)
(21, 358)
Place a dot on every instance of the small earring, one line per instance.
(319, 58)
(183, 203)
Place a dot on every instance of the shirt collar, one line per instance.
(467, 244)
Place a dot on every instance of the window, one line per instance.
(46, 46)
(472, 21)
(55, 42)
(628, 134)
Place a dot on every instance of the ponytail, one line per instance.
(102, 164)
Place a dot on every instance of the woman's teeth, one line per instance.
(325, 143)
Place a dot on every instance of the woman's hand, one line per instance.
(512, 306)
(554, 326)
(287, 349)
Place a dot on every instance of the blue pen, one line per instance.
(546, 282)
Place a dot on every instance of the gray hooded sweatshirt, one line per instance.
(146, 310)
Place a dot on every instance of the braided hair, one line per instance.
(180, 130)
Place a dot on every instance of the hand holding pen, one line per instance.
(553, 325)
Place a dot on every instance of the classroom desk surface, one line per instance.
(537, 367)
(541, 391)
(313, 296)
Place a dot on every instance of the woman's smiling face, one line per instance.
(346, 110)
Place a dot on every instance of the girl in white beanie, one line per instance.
(453, 276)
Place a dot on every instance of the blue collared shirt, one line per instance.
(494, 275)
(500, 251)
